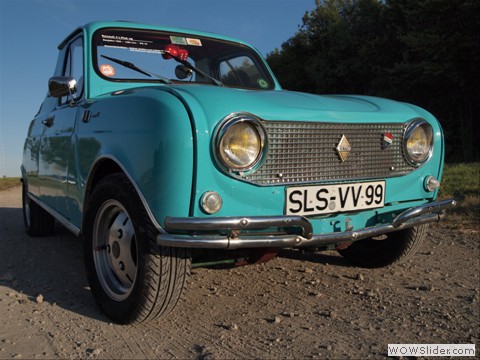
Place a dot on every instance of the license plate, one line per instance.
(327, 199)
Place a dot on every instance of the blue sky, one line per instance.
(30, 31)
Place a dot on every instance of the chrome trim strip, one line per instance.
(281, 241)
(425, 209)
(59, 217)
(239, 223)
(223, 127)
(410, 128)
(419, 215)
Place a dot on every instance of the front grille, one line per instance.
(304, 152)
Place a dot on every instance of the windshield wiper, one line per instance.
(134, 67)
(193, 68)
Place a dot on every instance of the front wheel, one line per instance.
(391, 248)
(131, 277)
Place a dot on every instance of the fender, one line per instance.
(119, 127)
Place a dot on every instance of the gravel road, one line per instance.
(299, 305)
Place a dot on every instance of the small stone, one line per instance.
(93, 352)
(360, 277)
(307, 270)
(39, 299)
(425, 288)
(328, 313)
(277, 319)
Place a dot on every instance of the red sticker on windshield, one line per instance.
(107, 70)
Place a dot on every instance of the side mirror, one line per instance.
(182, 72)
(59, 86)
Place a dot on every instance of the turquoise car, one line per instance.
(161, 147)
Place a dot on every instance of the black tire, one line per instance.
(37, 221)
(130, 276)
(397, 247)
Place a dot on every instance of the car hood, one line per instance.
(218, 102)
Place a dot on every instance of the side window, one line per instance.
(240, 71)
(74, 67)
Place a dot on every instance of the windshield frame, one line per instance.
(238, 47)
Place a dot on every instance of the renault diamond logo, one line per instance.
(343, 148)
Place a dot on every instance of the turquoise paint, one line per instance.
(161, 136)
(147, 131)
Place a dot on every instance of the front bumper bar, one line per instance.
(205, 232)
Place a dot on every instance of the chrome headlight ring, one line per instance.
(240, 143)
(418, 142)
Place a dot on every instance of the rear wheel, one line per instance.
(37, 221)
(392, 248)
(131, 277)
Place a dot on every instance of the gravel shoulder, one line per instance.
(299, 305)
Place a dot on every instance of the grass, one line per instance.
(463, 177)
(9, 182)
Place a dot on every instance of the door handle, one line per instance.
(48, 122)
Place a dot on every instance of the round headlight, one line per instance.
(418, 143)
(240, 143)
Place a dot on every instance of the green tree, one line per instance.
(439, 67)
(421, 51)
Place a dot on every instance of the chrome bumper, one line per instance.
(197, 232)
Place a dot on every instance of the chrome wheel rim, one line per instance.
(115, 250)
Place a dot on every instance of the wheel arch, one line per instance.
(107, 165)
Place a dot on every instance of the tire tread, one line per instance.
(165, 272)
(397, 248)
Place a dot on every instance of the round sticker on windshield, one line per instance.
(262, 83)
(107, 70)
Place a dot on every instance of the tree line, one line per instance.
(426, 52)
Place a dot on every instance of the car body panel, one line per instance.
(162, 137)
(134, 119)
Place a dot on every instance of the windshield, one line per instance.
(146, 55)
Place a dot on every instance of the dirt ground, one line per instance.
(299, 305)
